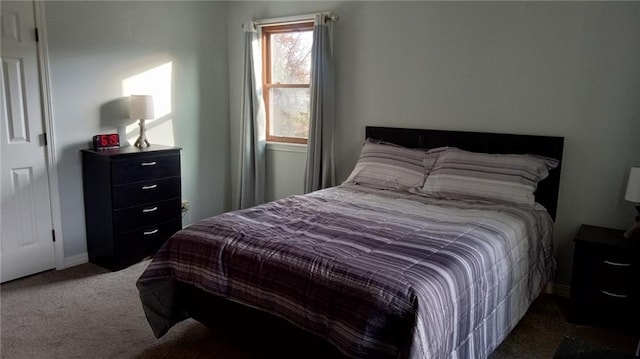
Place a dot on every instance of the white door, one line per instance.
(26, 244)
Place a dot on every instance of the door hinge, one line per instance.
(44, 139)
(37, 36)
(53, 234)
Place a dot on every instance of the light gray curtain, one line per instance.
(320, 167)
(253, 140)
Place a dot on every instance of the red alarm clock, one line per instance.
(106, 142)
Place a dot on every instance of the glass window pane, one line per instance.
(289, 112)
(291, 57)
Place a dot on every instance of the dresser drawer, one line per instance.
(144, 168)
(134, 245)
(141, 193)
(130, 218)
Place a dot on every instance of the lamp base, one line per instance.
(142, 139)
(635, 230)
(142, 142)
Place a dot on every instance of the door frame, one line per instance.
(47, 114)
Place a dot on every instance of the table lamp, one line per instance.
(141, 108)
(633, 195)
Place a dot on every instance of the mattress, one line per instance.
(378, 273)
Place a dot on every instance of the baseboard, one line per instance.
(76, 260)
(562, 290)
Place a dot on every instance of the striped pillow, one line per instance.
(459, 174)
(388, 166)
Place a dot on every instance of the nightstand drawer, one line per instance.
(618, 309)
(617, 258)
(140, 193)
(617, 276)
(142, 169)
(140, 216)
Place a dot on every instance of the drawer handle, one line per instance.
(145, 164)
(613, 294)
(150, 186)
(617, 264)
(150, 232)
(148, 210)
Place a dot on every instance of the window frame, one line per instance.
(266, 31)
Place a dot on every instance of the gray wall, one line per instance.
(567, 69)
(94, 46)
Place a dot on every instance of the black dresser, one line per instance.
(605, 285)
(132, 202)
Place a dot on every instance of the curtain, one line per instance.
(320, 166)
(253, 140)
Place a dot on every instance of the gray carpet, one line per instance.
(573, 348)
(88, 312)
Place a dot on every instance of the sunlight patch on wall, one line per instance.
(155, 82)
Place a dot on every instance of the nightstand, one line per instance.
(132, 200)
(605, 284)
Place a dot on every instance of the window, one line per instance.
(286, 64)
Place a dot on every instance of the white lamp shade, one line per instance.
(633, 186)
(141, 107)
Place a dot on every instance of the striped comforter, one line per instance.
(377, 273)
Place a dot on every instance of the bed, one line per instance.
(378, 272)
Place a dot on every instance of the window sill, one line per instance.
(286, 147)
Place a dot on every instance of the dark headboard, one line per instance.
(548, 146)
